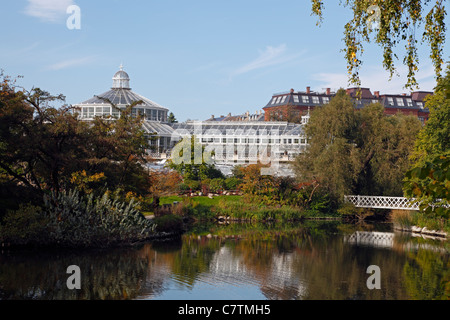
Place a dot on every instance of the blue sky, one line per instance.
(198, 58)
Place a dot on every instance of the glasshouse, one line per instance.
(230, 142)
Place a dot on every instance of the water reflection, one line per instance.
(325, 260)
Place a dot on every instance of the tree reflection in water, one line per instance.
(286, 261)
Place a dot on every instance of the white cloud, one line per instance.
(70, 63)
(377, 79)
(48, 10)
(269, 57)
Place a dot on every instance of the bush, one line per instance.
(169, 223)
(232, 183)
(183, 187)
(70, 220)
(420, 219)
(215, 185)
(193, 184)
(23, 226)
(347, 209)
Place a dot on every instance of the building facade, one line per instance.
(273, 136)
(110, 103)
(246, 142)
(291, 105)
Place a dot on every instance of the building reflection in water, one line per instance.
(299, 263)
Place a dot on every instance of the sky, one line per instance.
(197, 58)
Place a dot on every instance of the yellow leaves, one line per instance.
(81, 179)
(417, 191)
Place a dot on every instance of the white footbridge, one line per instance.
(376, 202)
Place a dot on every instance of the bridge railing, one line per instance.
(380, 202)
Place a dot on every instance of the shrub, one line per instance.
(78, 221)
(347, 209)
(232, 183)
(183, 187)
(402, 217)
(193, 184)
(70, 220)
(23, 226)
(169, 223)
(216, 184)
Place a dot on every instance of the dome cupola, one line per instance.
(121, 80)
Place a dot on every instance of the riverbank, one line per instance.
(235, 208)
(419, 223)
(422, 231)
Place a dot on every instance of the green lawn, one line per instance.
(205, 201)
(200, 200)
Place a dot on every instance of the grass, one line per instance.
(414, 218)
(170, 199)
(235, 207)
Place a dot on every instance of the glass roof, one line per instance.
(156, 127)
(239, 128)
(121, 97)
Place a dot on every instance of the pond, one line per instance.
(301, 261)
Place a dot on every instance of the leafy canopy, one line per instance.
(44, 147)
(429, 176)
(392, 23)
(356, 151)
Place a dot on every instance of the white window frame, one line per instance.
(409, 102)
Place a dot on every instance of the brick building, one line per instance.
(289, 106)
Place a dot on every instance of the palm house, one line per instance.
(109, 104)
(236, 141)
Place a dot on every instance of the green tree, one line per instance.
(356, 151)
(386, 144)
(118, 148)
(171, 118)
(429, 176)
(42, 146)
(289, 114)
(332, 158)
(430, 184)
(392, 23)
(192, 162)
(434, 139)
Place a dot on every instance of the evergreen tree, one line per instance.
(171, 118)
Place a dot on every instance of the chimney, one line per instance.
(328, 91)
(308, 90)
(377, 94)
(292, 90)
(212, 116)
